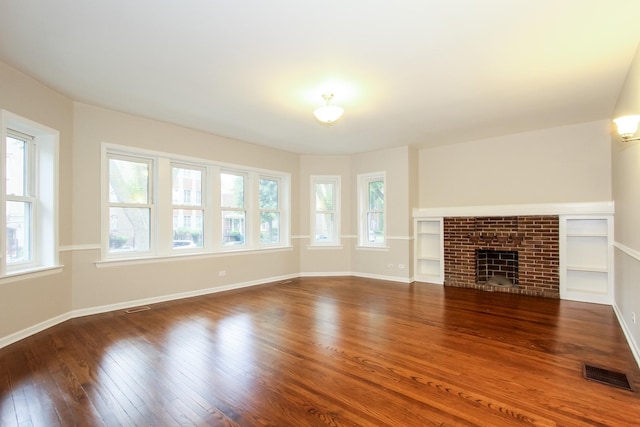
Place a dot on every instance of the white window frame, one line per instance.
(196, 205)
(162, 220)
(246, 205)
(261, 210)
(42, 170)
(151, 163)
(334, 180)
(363, 209)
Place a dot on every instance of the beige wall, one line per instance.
(626, 194)
(396, 163)
(108, 284)
(25, 303)
(557, 165)
(318, 259)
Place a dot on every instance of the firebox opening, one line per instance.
(497, 268)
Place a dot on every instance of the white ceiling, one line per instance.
(422, 72)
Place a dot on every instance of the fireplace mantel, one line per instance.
(591, 208)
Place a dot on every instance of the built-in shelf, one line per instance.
(586, 258)
(429, 250)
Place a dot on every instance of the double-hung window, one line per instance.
(157, 204)
(21, 200)
(130, 204)
(372, 209)
(28, 196)
(188, 213)
(325, 210)
(233, 208)
(269, 210)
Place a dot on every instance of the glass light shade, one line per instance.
(627, 125)
(328, 113)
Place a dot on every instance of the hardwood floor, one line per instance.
(326, 352)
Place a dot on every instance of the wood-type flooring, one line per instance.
(326, 352)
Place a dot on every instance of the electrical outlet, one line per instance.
(633, 317)
(389, 265)
(222, 273)
(401, 266)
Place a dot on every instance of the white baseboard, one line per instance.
(635, 350)
(326, 274)
(27, 332)
(32, 330)
(382, 277)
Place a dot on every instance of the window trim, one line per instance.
(211, 198)
(260, 210)
(150, 204)
(363, 209)
(44, 175)
(196, 205)
(336, 181)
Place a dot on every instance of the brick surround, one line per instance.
(535, 238)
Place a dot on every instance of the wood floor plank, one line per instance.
(326, 352)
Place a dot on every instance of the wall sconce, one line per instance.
(328, 113)
(627, 127)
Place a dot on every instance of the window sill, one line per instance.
(372, 248)
(31, 273)
(116, 262)
(325, 247)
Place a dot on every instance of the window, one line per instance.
(29, 199)
(269, 211)
(130, 201)
(162, 205)
(21, 202)
(325, 212)
(371, 191)
(188, 233)
(232, 193)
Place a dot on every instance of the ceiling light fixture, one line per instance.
(329, 112)
(627, 127)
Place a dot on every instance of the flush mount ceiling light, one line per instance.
(627, 127)
(328, 113)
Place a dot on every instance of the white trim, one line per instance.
(382, 277)
(326, 274)
(633, 345)
(32, 330)
(191, 256)
(399, 237)
(336, 182)
(327, 247)
(32, 273)
(373, 248)
(172, 297)
(79, 248)
(627, 250)
(590, 208)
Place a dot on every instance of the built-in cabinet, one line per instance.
(585, 244)
(586, 254)
(429, 250)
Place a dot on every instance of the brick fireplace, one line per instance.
(531, 241)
